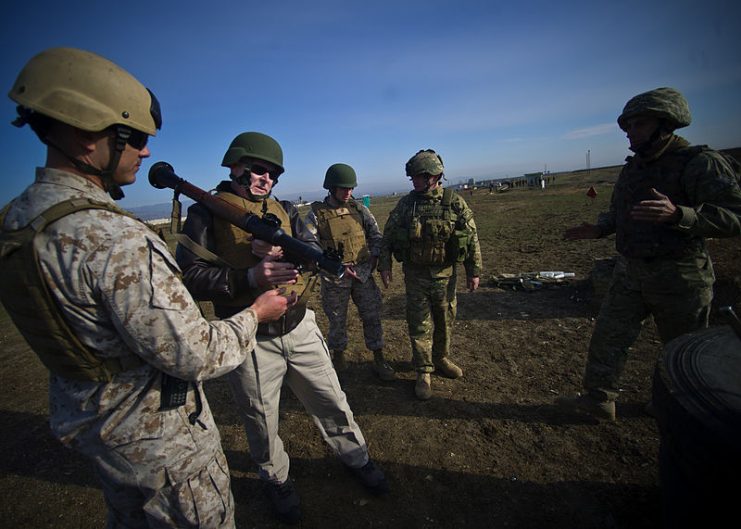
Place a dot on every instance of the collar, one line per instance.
(673, 143)
(47, 175)
(430, 194)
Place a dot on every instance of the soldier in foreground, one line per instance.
(97, 296)
(430, 231)
(290, 350)
(668, 198)
(342, 224)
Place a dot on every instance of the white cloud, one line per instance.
(588, 132)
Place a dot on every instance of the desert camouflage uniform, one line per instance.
(336, 292)
(116, 285)
(430, 290)
(667, 272)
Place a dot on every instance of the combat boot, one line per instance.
(384, 371)
(285, 500)
(585, 403)
(372, 478)
(338, 359)
(447, 368)
(422, 388)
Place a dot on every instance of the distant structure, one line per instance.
(533, 179)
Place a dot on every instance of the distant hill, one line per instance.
(162, 211)
(159, 211)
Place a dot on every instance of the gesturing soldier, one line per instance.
(668, 198)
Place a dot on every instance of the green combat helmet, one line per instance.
(425, 161)
(664, 103)
(340, 175)
(254, 145)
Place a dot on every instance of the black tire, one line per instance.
(697, 397)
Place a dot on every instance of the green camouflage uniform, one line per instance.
(430, 288)
(667, 272)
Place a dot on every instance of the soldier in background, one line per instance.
(668, 198)
(430, 231)
(97, 296)
(342, 224)
(290, 351)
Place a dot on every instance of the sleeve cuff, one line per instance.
(688, 218)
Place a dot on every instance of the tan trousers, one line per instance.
(299, 359)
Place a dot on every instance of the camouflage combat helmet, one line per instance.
(425, 161)
(89, 92)
(664, 103)
(254, 145)
(340, 175)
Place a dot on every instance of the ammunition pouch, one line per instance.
(431, 248)
(432, 236)
(458, 245)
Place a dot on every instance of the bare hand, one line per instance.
(583, 231)
(386, 277)
(350, 271)
(272, 304)
(472, 283)
(661, 210)
(262, 248)
(269, 272)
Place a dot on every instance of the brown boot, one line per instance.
(447, 368)
(422, 388)
(585, 403)
(384, 371)
(338, 359)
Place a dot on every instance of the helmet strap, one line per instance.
(429, 183)
(105, 175)
(122, 136)
(333, 195)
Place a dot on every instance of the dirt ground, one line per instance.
(488, 450)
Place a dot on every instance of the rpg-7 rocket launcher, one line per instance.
(162, 176)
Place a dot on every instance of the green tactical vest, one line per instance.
(342, 228)
(646, 239)
(27, 299)
(234, 245)
(429, 233)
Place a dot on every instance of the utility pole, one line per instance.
(589, 167)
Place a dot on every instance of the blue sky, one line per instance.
(497, 88)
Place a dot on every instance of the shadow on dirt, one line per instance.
(38, 454)
(480, 501)
(356, 381)
(494, 304)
